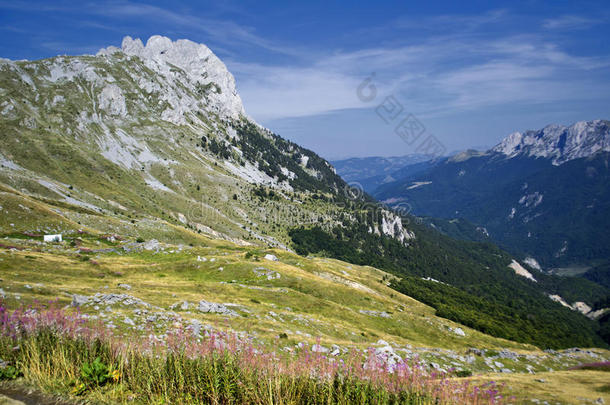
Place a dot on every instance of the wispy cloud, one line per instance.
(569, 22)
(438, 75)
(222, 31)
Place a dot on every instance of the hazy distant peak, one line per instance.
(558, 142)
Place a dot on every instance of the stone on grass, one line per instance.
(215, 308)
(319, 349)
(79, 300)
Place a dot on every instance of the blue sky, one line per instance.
(471, 73)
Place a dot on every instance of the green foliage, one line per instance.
(480, 291)
(544, 327)
(271, 152)
(463, 373)
(9, 372)
(599, 274)
(95, 373)
(574, 210)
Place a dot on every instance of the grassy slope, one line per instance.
(310, 301)
(565, 387)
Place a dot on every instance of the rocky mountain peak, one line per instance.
(196, 61)
(559, 143)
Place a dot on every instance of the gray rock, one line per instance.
(125, 286)
(459, 331)
(195, 327)
(268, 274)
(4, 400)
(183, 305)
(152, 244)
(79, 300)
(129, 321)
(475, 351)
(388, 355)
(123, 299)
(319, 349)
(271, 257)
(507, 354)
(215, 308)
(380, 314)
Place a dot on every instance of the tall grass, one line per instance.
(49, 346)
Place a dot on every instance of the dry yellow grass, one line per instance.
(565, 387)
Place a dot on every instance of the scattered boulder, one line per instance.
(152, 244)
(125, 286)
(266, 273)
(507, 354)
(458, 331)
(271, 257)
(112, 299)
(215, 308)
(380, 314)
(79, 300)
(475, 351)
(183, 305)
(387, 354)
(319, 349)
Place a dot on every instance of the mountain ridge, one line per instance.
(559, 143)
(539, 194)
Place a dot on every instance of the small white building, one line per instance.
(52, 238)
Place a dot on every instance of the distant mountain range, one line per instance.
(371, 172)
(543, 195)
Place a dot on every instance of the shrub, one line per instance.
(95, 373)
(600, 366)
(9, 372)
(463, 373)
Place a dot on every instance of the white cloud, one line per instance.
(569, 22)
(435, 76)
